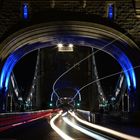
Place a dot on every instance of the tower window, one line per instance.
(110, 11)
(25, 11)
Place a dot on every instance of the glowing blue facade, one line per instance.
(111, 11)
(25, 11)
(13, 59)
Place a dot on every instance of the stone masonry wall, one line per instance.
(125, 16)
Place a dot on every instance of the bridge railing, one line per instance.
(89, 116)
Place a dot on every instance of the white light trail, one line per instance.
(64, 114)
(58, 131)
(76, 64)
(86, 132)
(104, 129)
(108, 76)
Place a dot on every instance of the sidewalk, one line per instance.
(120, 124)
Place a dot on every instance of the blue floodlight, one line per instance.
(111, 11)
(25, 11)
(127, 67)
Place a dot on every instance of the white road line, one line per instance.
(59, 131)
(86, 132)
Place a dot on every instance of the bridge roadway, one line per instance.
(45, 128)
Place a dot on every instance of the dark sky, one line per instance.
(24, 70)
(107, 65)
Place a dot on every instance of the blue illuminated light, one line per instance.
(127, 68)
(113, 50)
(11, 62)
(134, 79)
(6, 71)
(111, 11)
(25, 11)
(77, 95)
(121, 58)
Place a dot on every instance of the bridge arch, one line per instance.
(77, 32)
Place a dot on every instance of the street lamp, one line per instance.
(60, 45)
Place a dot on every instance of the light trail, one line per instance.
(57, 130)
(85, 131)
(108, 76)
(105, 129)
(64, 114)
(13, 122)
(54, 91)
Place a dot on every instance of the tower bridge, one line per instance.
(69, 40)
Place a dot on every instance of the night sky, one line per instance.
(24, 71)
